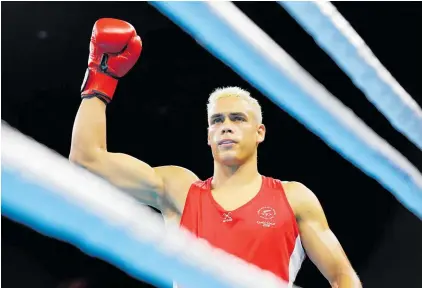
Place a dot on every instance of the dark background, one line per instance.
(159, 116)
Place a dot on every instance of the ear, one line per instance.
(261, 133)
(208, 136)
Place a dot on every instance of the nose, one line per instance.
(227, 127)
(226, 130)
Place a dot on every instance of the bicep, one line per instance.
(129, 174)
(323, 248)
(319, 242)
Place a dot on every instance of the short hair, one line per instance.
(235, 92)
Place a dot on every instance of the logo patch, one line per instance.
(267, 214)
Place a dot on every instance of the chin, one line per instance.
(229, 160)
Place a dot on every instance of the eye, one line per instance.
(216, 120)
(238, 118)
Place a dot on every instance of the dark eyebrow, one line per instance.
(239, 114)
(230, 114)
(216, 115)
(234, 114)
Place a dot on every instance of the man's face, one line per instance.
(233, 131)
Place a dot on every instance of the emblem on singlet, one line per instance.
(267, 215)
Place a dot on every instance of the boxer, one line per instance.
(265, 221)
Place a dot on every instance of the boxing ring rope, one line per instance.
(46, 192)
(348, 50)
(233, 38)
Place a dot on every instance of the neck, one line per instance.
(235, 175)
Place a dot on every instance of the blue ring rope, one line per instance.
(405, 116)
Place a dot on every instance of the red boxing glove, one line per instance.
(114, 50)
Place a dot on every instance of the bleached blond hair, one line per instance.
(235, 92)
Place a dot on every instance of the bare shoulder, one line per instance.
(177, 181)
(298, 190)
(300, 197)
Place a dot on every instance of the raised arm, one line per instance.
(114, 50)
(90, 151)
(320, 243)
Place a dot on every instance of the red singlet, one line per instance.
(263, 232)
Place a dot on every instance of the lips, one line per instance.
(226, 142)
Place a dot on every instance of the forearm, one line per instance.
(89, 130)
(346, 280)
